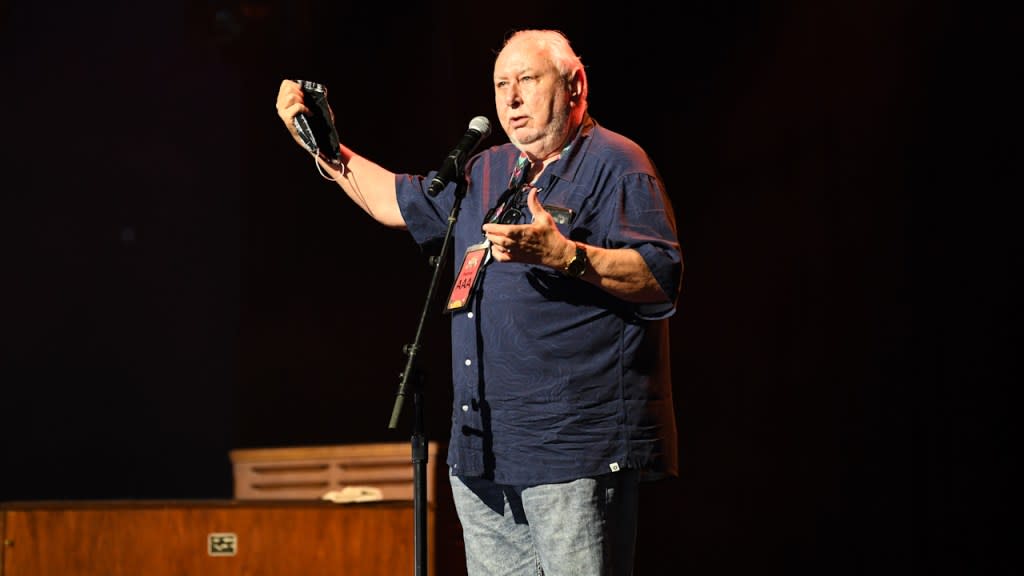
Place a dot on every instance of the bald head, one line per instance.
(557, 49)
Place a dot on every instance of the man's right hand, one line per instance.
(289, 103)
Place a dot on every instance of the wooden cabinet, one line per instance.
(207, 538)
(276, 525)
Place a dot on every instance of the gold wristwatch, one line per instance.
(578, 265)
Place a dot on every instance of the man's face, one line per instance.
(531, 99)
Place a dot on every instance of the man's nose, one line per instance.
(512, 99)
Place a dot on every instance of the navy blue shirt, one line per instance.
(555, 379)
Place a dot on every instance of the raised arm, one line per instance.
(369, 185)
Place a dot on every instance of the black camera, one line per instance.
(317, 129)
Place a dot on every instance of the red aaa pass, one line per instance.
(465, 283)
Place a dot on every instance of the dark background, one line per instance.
(179, 281)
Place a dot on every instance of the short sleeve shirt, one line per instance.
(553, 378)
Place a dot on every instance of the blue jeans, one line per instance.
(586, 527)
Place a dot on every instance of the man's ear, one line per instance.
(576, 85)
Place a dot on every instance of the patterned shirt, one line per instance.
(555, 379)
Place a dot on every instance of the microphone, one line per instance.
(479, 128)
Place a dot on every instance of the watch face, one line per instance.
(578, 265)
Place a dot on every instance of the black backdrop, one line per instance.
(179, 281)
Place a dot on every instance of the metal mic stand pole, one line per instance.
(420, 454)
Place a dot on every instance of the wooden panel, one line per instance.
(134, 538)
(308, 472)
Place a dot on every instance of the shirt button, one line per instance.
(465, 408)
(468, 362)
(469, 314)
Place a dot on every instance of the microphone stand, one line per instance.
(420, 454)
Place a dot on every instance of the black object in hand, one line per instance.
(317, 129)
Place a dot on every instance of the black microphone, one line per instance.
(479, 128)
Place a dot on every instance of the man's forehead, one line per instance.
(522, 62)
